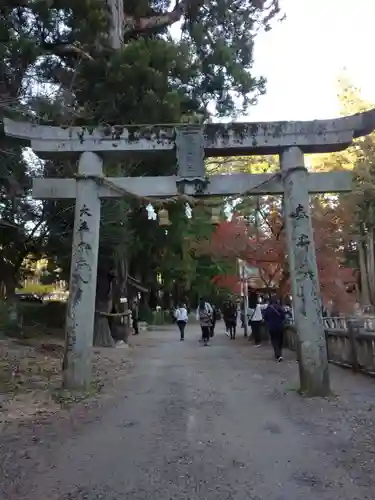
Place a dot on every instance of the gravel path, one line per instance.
(219, 423)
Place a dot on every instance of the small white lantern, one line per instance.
(151, 214)
(188, 211)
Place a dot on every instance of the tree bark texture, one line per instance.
(371, 264)
(103, 304)
(365, 290)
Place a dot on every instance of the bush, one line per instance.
(37, 289)
(33, 314)
(161, 318)
(3, 317)
(49, 315)
(145, 314)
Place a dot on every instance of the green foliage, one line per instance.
(39, 289)
(143, 83)
(160, 318)
(151, 79)
(3, 318)
(50, 315)
(357, 208)
(145, 313)
(20, 217)
(205, 267)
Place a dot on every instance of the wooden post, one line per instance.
(353, 329)
(77, 369)
(313, 363)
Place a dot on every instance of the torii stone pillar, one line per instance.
(312, 348)
(83, 271)
(290, 140)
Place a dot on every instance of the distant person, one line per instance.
(230, 317)
(242, 313)
(255, 321)
(225, 311)
(204, 316)
(274, 316)
(135, 318)
(214, 319)
(253, 299)
(181, 316)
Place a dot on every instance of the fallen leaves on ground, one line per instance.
(30, 377)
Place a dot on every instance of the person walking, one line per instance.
(230, 318)
(181, 316)
(204, 316)
(225, 310)
(214, 319)
(255, 321)
(274, 316)
(135, 317)
(242, 313)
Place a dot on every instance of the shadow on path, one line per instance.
(222, 422)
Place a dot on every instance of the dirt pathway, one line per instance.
(223, 422)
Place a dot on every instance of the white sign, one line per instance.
(246, 271)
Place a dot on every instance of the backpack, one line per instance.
(204, 315)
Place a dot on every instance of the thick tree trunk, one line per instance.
(111, 287)
(120, 326)
(14, 321)
(166, 300)
(125, 294)
(141, 24)
(153, 299)
(365, 291)
(371, 264)
(102, 332)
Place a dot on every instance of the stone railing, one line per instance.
(351, 346)
(341, 322)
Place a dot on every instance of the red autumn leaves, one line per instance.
(264, 248)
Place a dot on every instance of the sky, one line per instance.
(302, 57)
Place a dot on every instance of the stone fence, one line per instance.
(341, 322)
(349, 344)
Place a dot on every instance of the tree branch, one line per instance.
(183, 7)
(162, 20)
(10, 4)
(68, 49)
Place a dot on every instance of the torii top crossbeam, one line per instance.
(219, 139)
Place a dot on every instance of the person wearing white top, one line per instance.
(181, 316)
(255, 321)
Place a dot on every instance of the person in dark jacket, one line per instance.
(274, 316)
(135, 318)
(214, 319)
(242, 313)
(230, 318)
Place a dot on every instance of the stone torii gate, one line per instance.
(191, 144)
